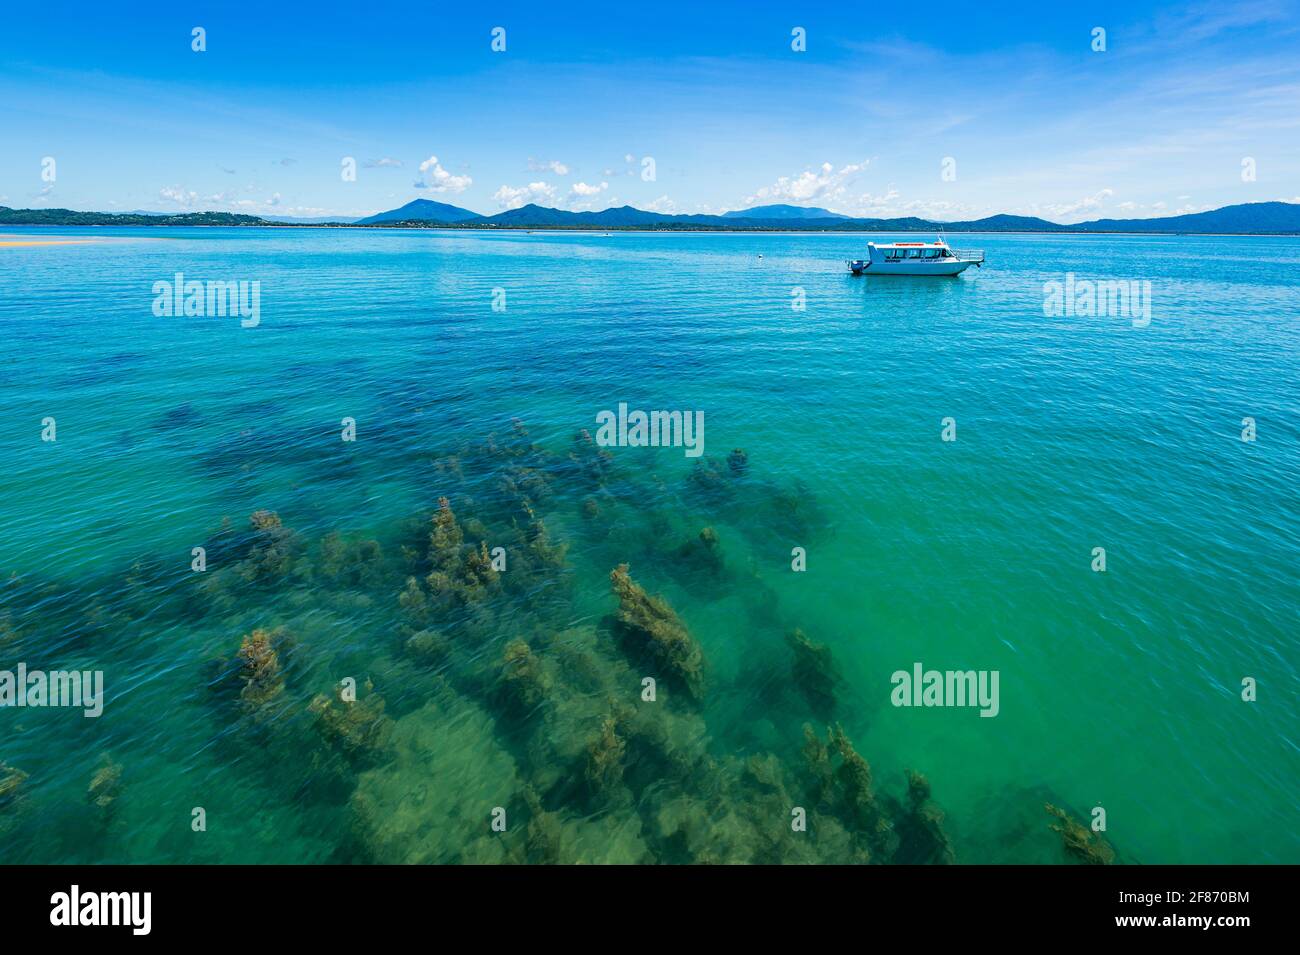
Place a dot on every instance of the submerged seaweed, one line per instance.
(1080, 843)
(518, 724)
(814, 674)
(259, 670)
(11, 781)
(653, 631)
(105, 786)
(358, 727)
(919, 823)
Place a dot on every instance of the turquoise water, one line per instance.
(1119, 690)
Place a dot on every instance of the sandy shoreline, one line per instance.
(14, 241)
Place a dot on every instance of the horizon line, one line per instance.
(667, 216)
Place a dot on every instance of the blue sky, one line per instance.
(1035, 121)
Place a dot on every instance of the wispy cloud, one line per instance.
(552, 166)
(191, 200)
(179, 196)
(812, 186)
(1092, 203)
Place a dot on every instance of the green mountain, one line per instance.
(422, 210)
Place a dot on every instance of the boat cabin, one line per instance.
(898, 251)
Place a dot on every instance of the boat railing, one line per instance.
(968, 255)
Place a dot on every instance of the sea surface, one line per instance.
(502, 715)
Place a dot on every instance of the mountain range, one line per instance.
(1245, 218)
(1251, 217)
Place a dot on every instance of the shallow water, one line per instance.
(1118, 690)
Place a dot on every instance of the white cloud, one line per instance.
(937, 210)
(386, 162)
(436, 179)
(582, 195)
(554, 165)
(512, 197)
(824, 184)
(662, 204)
(182, 197)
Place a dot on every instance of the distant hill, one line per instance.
(783, 212)
(291, 220)
(622, 217)
(1006, 223)
(421, 210)
(311, 220)
(72, 217)
(1248, 217)
(1277, 218)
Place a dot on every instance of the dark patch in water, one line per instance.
(394, 691)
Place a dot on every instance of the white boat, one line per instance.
(915, 258)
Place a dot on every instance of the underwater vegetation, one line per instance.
(438, 690)
(259, 670)
(814, 673)
(12, 799)
(921, 836)
(652, 631)
(356, 726)
(105, 786)
(1080, 842)
(11, 781)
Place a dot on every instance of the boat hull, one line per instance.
(910, 268)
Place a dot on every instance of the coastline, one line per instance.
(1271, 218)
(634, 230)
